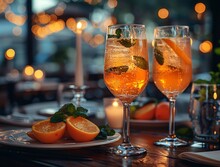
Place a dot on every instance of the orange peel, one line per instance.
(47, 132)
(81, 129)
(177, 50)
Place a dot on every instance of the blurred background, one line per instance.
(38, 41)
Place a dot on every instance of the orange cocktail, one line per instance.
(126, 70)
(126, 73)
(174, 73)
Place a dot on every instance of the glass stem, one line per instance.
(172, 102)
(126, 124)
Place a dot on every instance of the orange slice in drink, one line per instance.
(177, 50)
(47, 132)
(81, 129)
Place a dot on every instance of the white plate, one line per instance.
(180, 119)
(19, 138)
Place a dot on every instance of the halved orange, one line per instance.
(31, 134)
(47, 132)
(81, 129)
(177, 50)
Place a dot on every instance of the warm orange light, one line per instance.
(3, 6)
(215, 95)
(98, 39)
(71, 24)
(43, 18)
(205, 46)
(59, 11)
(200, 8)
(163, 13)
(115, 104)
(92, 2)
(191, 41)
(28, 71)
(9, 1)
(152, 43)
(108, 21)
(10, 54)
(79, 25)
(112, 3)
(84, 24)
(38, 74)
(15, 19)
(87, 36)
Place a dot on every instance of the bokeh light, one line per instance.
(28, 71)
(163, 13)
(17, 31)
(205, 47)
(200, 8)
(112, 3)
(39, 75)
(10, 54)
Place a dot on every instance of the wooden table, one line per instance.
(99, 156)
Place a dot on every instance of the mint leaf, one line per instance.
(105, 131)
(68, 110)
(127, 42)
(80, 111)
(117, 70)
(117, 35)
(140, 62)
(58, 117)
(158, 56)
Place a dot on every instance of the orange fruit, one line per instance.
(31, 134)
(47, 132)
(177, 50)
(162, 111)
(146, 112)
(81, 129)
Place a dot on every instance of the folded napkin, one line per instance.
(207, 158)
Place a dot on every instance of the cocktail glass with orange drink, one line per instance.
(172, 70)
(126, 73)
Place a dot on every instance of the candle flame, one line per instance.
(115, 104)
(215, 95)
(79, 25)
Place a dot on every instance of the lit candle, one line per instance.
(79, 64)
(114, 115)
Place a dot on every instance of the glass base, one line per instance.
(171, 142)
(127, 150)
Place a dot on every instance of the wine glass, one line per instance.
(172, 70)
(126, 74)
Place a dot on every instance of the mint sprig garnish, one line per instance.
(159, 56)
(125, 42)
(68, 110)
(140, 62)
(105, 131)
